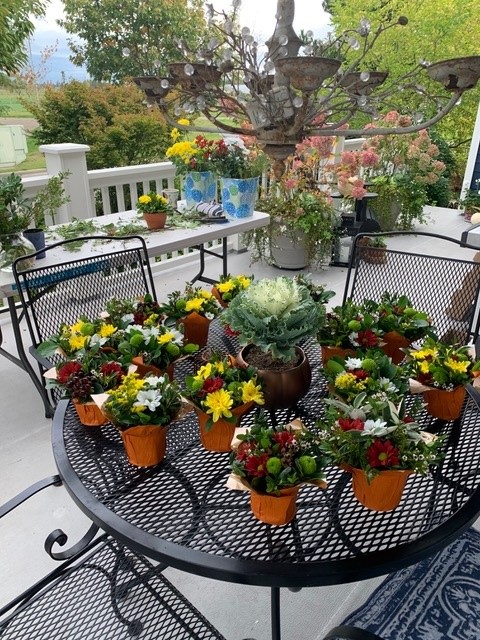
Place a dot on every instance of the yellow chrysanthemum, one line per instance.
(166, 337)
(421, 354)
(77, 342)
(195, 304)
(457, 366)
(106, 330)
(204, 372)
(77, 327)
(184, 150)
(225, 287)
(161, 199)
(205, 294)
(252, 392)
(244, 281)
(345, 381)
(185, 122)
(144, 199)
(175, 134)
(218, 404)
(423, 366)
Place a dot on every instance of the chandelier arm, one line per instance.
(227, 127)
(334, 131)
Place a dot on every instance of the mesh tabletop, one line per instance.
(181, 512)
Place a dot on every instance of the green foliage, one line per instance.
(15, 27)
(275, 315)
(112, 120)
(130, 38)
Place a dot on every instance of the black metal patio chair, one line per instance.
(77, 277)
(99, 591)
(443, 280)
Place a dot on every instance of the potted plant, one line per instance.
(155, 208)
(374, 373)
(82, 377)
(194, 160)
(348, 327)
(84, 335)
(221, 393)
(154, 349)
(143, 409)
(271, 317)
(471, 202)
(239, 168)
(372, 249)
(123, 312)
(193, 309)
(273, 463)
(17, 213)
(380, 445)
(229, 286)
(441, 372)
(400, 323)
(301, 229)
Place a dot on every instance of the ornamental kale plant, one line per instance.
(275, 315)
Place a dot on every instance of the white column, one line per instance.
(69, 157)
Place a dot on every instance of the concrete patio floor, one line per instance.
(25, 456)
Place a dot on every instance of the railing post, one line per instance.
(70, 157)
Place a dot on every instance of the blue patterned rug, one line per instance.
(436, 599)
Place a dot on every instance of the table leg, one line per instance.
(275, 612)
(22, 361)
(222, 256)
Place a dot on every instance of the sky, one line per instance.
(259, 15)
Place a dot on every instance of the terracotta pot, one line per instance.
(155, 220)
(282, 389)
(372, 255)
(383, 493)
(273, 509)
(219, 437)
(393, 343)
(446, 405)
(195, 329)
(89, 414)
(144, 370)
(330, 351)
(145, 445)
(217, 295)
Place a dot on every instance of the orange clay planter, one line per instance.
(145, 445)
(383, 493)
(219, 437)
(393, 343)
(273, 509)
(443, 404)
(195, 329)
(89, 414)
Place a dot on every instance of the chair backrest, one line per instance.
(442, 280)
(78, 277)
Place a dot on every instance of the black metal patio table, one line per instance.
(180, 512)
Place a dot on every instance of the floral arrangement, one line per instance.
(139, 401)
(274, 314)
(153, 203)
(180, 304)
(375, 436)
(396, 313)
(269, 459)
(236, 160)
(82, 336)
(373, 373)
(229, 286)
(442, 366)
(294, 209)
(123, 312)
(157, 345)
(319, 294)
(80, 379)
(350, 326)
(200, 155)
(220, 386)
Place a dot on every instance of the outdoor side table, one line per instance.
(181, 513)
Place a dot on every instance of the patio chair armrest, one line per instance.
(44, 362)
(17, 500)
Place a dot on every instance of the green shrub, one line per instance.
(112, 120)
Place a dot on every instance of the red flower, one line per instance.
(68, 369)
(367, 338)
(212, 384)
(347, 424)
(283, 438)
(382, 454)
(230, 332)
(109, 368)
(243, 450)
(360, 374)
(256, 466)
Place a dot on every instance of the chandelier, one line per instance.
(292, 87)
